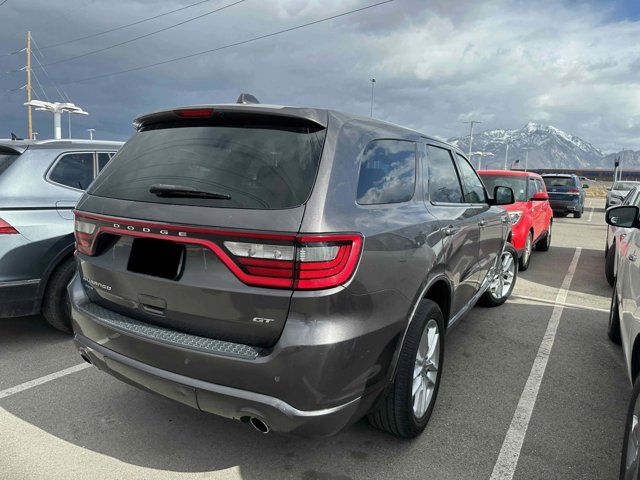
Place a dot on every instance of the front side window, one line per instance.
(471, 183)
(443, 181)
(73, 170)
(387, 172)
(515, 183)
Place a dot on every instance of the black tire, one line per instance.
(544, 243)
(525, 259)
(488, 299)
(613, 329)
(578, 213)
(609, 265)
(394, 412)
(631, 411)
(56, 308)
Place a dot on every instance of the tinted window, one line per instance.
(103, 159)
(259, 165)
(73, 170)
(515, 183)
(444, 185)
(387, 172)
(471, 183)
(623, 185)
(559, 182)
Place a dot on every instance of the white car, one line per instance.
(616, 239)
(618, 192)
(624, 327)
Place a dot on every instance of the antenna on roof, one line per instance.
(246, 98)
(15, 137)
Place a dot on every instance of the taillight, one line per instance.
(194, 112)
(310, 262)
(5, 228)
(574, 190)
(301, 262)
(84, 232)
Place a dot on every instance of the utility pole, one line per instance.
(506, 156)
(471, 124)
(373, 82)
(526, 160)
(28, 69)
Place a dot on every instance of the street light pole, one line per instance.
(373, 82)
(91, 130)
(506, 156)
(471, 124)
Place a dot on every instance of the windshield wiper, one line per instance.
(181, 191)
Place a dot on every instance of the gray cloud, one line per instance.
(437, 63)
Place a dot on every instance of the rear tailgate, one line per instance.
(215, 267)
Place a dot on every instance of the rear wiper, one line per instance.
(181, 191)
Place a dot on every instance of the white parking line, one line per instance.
(505, 466)
(591, 214)
(565, 304)
(39, 381)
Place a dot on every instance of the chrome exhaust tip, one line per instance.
(259, 425)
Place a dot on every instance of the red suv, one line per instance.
(531, 215)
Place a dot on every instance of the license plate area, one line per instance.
(158, 258)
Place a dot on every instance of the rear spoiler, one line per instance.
(312, 115)
(12, 149)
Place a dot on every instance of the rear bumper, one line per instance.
(19, 298)
(323, 374)
(565, 205)
(217, 399)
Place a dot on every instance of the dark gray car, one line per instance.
(40, 184)
(293, 268)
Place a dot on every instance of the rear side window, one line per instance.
(472, 185)
(103, 159)
(387, 172)
(256, 165)
(443, 181)
(73, 170)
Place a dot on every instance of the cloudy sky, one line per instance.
(572, 64)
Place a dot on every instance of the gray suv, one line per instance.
(292, 268)
(40, 184)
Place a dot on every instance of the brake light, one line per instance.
(6, 229)
(194, 112)
(84, 232)
(574, 190)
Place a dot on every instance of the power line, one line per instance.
(230, 45)
(2, 3)
(86, 54)
(44, 93)
(63, 95)
(66, 42)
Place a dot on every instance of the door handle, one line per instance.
(482, 222)
(450, 230)
(633, 257)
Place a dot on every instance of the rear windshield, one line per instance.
(559, 181)
(6, 160)
(258, 166)
(624, 185)
(517, 184)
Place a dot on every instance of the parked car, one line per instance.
(311, 264)
(624, 327)
(616, 239)
(40, 184)
(566, 193)
(618, 192)
(531, 215)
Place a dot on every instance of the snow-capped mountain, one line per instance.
(547, 147)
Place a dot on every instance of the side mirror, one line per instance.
(540, 197)
(625, 216)
(503, 196)
(585, 186)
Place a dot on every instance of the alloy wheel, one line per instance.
(503, 280)
(425, 371)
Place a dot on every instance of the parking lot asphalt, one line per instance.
(89, 425)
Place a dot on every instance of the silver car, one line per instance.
(618, 192)
(624, 325)
(616, 237)
(40, 183)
